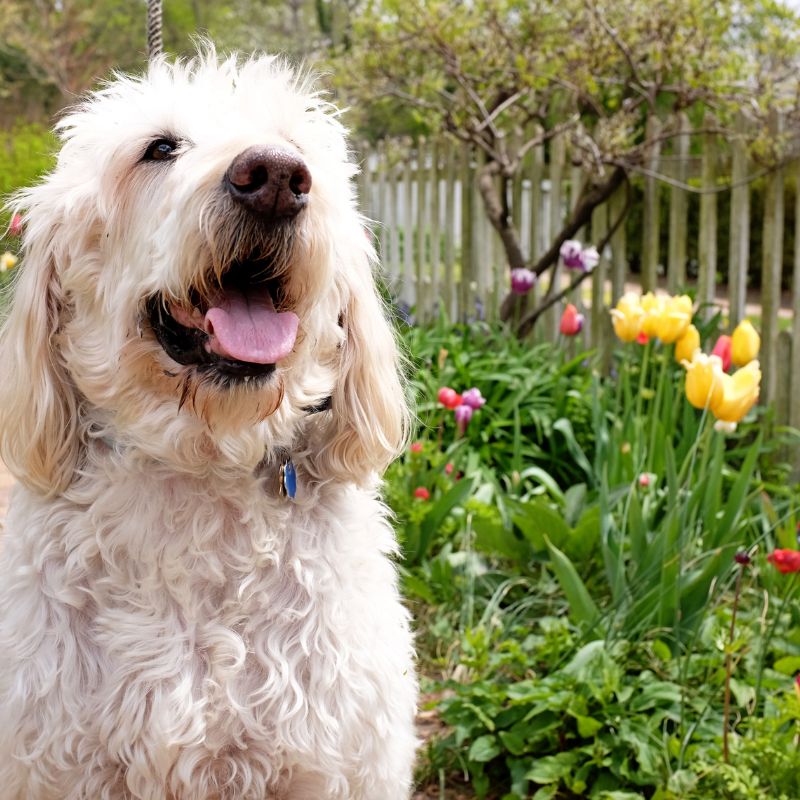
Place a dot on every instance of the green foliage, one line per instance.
(582, 614)
(26, 153)
(477, 68)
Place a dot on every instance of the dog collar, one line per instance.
(287, 479)
(287, 474)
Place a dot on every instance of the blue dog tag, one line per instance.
(288, 479)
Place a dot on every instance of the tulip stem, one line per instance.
(726, 712)
(639, 460)
(656, 413)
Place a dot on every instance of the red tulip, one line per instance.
(785, 560)
(571, 321)
(449, 398)
(421, 493)
(416, 447)
(448, 468)
(642, 338)
(724, 350)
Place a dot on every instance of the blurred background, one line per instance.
(586, 213)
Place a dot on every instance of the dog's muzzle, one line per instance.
(237, 323)
(269, 181)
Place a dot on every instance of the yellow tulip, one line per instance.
(674, 319)
(739, 393)
(653, 307)
(627, 317)
(703, 380)
(745, 343)
(687, 344)
(7, 261)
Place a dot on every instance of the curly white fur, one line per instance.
(169, 626)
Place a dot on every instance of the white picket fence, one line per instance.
(439, 250)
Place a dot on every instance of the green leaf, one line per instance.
(551, 769)
(584, 538)
(564, 427)
(454, 497)
(484, 749)
(788, 665)
(587, 726)
(416, 587)
(581, 605)
(538, 522)
(514, 742)
(574, 502)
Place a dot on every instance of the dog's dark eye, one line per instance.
(160, 150)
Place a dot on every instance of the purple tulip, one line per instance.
(522, 280)
(473, 398)
(463, 415)
(590, 258)
(571, 252)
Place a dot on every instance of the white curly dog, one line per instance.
(198, 391)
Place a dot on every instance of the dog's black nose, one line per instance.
(270, 181)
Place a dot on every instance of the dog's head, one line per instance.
(195, 278)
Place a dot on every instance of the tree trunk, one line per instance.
(496, 205)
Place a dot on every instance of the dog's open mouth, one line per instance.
(234, 328)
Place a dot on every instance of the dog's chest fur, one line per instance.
(213, 627)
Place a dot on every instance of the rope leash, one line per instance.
(155, 43)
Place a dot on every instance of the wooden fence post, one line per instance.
(437, 302)
(380, 209)
(467, 204)
(421, 295)
(771, 268)
(536, 206)
(392, 258)
(739, 236)
(450, 231)
(650, 221)
(678, 209)
(409, 292)
(597, 321)
(794, 371)
(707, 246)
(619, 255)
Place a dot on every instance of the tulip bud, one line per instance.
(571, 321)
(703, 380)
(627, 317)
(745, 343)
(673, 318)
(522, 280)
(449, 398)
(473, 398)
(723, 349)
(590, 258)
(687, 344)
(463, 415)
(15, 228)
(570, 253)
(739, 393)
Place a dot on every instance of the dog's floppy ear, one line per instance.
(370, 412)
(38, 405)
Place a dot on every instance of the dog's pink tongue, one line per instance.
(248, 328)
